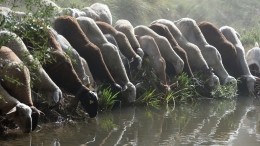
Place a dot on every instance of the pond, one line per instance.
(206, 122)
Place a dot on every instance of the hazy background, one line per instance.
(243, 15)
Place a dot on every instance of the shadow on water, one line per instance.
(206, 122)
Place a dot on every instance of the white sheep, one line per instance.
(115, 64)
(193, 34)
(152, 51)
(127, 28)
(196, 60)
(233, 36)
(166, 50)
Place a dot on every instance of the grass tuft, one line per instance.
(107, 98)
(149, 98)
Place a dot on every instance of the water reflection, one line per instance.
(206, 122)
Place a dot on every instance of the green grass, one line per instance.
(149, 98)
(250, 36)
(107, 98)
(185, 89)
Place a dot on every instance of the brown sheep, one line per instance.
(84, 75)
(15, 79)
(226, 49)
(63, 74)
(70, 29)
(15, 110)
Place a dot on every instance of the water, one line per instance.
(207, 122)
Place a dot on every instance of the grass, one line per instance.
(149, 98)
(107, 98)
(250, 36)
(185, 89)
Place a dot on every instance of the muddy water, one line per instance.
(207, 122)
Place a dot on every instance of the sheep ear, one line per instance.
(12, 111)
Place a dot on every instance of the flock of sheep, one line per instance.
(102, 53)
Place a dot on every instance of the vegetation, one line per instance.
(225, 91)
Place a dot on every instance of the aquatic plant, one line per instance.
(149, 98)
(185, 90)
(227, 91)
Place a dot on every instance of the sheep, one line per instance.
(43, 83)
(73, 12)
(253, 60)
(69, 28)
(75, 57)
(7, 13)
(123, 44)
(51, 4)
(163, 30)
(125, 61)
(102, 10)
(89, 76)
(196, 59)
(15, 83)
(91, 13)
(127, 28)
(227, 50)
(63, 74)
(233, 36)
(15, 110)
(165, 48)
(115, 64)
(15, 78)
(152, 51)
(191, 31)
